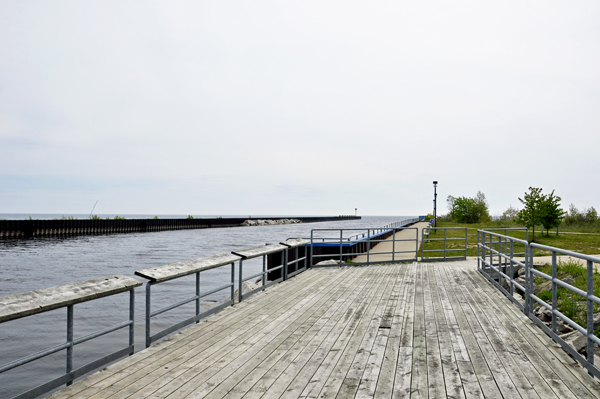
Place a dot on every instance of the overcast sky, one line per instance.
(295, 107)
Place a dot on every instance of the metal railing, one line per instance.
(497, 263)
(169, 272)
(345, 244)
(161, 274)
(35, 302)
(425, 238)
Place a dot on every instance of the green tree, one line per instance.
(468, 210)
(551, 212)
(531, 214)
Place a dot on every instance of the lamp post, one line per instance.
(435, 203)
(355, 211)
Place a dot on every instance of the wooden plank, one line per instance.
(281, 376)
(385, 382)
(453, 348)
(285, 353)
(477, 361)
(310, 360)
(450, 374)
(419, 386)
(243, 315)
(259, 251)
(335, 309)
(33, 302)
(538, 348)
(403, 377)
(504, 356)
(358, 367)
(295, 242)
(317, 382)
(435, 374)
(349, 348)
(174, 270)
(186, 364)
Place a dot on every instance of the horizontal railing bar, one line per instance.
(565, 252)
(503, 236)
(102, 332)
(57, 382)
(207, 293)
(173, 306)
(562, 316)
(32, 357)
(254, 276)
(190, 320)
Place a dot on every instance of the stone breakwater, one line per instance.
(268, 222)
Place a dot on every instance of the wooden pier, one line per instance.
(402, 330)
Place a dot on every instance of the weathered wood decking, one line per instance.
(417, 330)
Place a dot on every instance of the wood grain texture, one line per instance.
(259, 251)
(385, 331)
(295, 242)
(33, 302)
(174, 270)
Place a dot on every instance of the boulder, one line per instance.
(247, 286)
(328, 262)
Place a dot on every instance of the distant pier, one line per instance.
(48, 228)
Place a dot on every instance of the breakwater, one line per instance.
(46, 228)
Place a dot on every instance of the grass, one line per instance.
(570, 304)
(583, 243)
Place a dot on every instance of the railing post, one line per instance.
(478, 252)
(240, 273)
(264, 270)
(466, 242)
(311, 249)
(554, 299)
(131, 318)
(512, 273)
(491, 257)
(393, 245)
(368, 245)
(197, 295)
(528, 253)
(70, 340)
(416, 244)
(285, 267)
(590, 313)
(233, 281)
(445, 236)
(341, 239)
(148, 291)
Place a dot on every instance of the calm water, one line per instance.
(27, 265)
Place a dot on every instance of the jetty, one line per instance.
(419, 330)
(372, 321)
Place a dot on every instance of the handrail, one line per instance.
(425, 233)
(160, 274)
(361, 243)
(164, 273)
(26, 304)
(503, 268)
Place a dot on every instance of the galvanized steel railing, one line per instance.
(361, 243)
(164, 273)
(496, 262)
(425, 238)
(17, 306)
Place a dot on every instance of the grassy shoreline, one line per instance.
(588, 244)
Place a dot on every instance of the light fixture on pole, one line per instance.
(435, 203)
(355, 211)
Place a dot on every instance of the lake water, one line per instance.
(32, 264)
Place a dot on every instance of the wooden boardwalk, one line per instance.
(403, 331)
